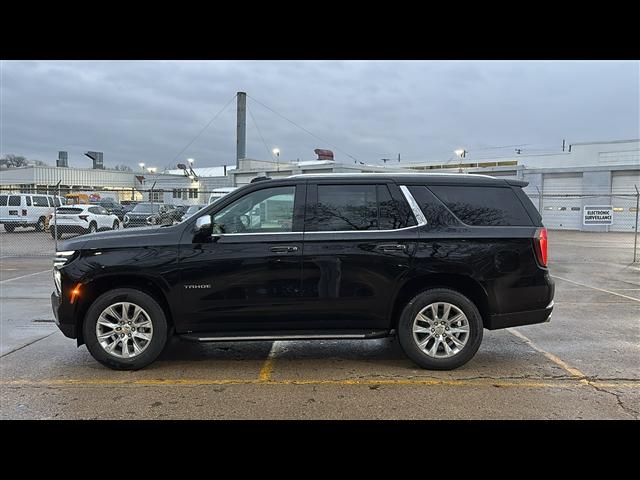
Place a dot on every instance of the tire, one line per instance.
(40, 225)
(440, 361)
(93, 228)
(9, 228)
(116, 225)
(115, 361)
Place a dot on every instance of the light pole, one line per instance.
(276, 152)
(461, 152)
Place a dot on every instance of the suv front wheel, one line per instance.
(125, 329)
(440, 329)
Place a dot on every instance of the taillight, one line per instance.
(540, 244)
(84, 217)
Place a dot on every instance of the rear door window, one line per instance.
(393, 213)
(483, 206)
(437, 215)
(14, 201)
(344, 208)
(28, 200)
(40, 201)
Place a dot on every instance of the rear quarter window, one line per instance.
(483, 206)
(437, 215)
(40, 201)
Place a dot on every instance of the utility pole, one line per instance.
(398, 158)
(241, 128)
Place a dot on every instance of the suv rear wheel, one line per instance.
(125, 329)
(440, 329)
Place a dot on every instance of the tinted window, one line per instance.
(62, 210)
(14, 201)
(28, 200)
(345, 207)
(94, 210)
(266, 210)
(3, 200)
(40, 201)
(146, 208)
(434, 211)
(56, 201)
(483, 206)
(393, 213)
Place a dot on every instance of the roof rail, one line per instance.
(260, 179)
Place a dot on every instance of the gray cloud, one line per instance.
(148, 111)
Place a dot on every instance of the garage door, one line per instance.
(562, 213)
(624, 207)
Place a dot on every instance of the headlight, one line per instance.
(152, 220)
(57, 279)
(126, 219)
(60, 260)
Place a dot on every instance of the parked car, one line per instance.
(145, 214)
(26, 210)
(82, 219)
(433, 259)
(174, 212)
(191, 210)
(112, 207)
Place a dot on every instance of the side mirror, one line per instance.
(203, 223)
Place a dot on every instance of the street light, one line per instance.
(151, 169)
(190, 160)
(276, 152)
(141, 165)
(460, 152)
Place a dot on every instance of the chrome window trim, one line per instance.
(415, 209)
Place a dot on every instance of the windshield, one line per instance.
(146, 208)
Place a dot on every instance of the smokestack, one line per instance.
(241, 132)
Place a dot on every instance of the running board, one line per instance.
(288, 335)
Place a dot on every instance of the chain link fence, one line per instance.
(33, 221)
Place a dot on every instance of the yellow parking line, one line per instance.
(267, 367)
(558, 361)
(483, 382)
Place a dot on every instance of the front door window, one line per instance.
(269, 210)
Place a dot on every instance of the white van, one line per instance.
(26, 210)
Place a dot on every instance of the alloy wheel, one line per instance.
(124, 330)
(441, 330)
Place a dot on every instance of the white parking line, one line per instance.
(25, 276)
(596, 288)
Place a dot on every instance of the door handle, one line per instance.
(392, 247)
(284, 249)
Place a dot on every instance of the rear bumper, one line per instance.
(505, 320)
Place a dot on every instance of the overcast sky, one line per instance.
(149, 111)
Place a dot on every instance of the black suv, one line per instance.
(433, 259)
(145, 214)
(112, 207)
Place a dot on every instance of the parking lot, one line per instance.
(581, 365)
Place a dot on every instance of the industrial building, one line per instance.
(562, 184)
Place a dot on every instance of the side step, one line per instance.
(285, 335)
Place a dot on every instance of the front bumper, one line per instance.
(60, 314)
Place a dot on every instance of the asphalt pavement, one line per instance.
(581, 365)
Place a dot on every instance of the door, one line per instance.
(246, 276)
(358, 244)
(623, 200)
(562, 212)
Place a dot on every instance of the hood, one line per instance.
(125, 238)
